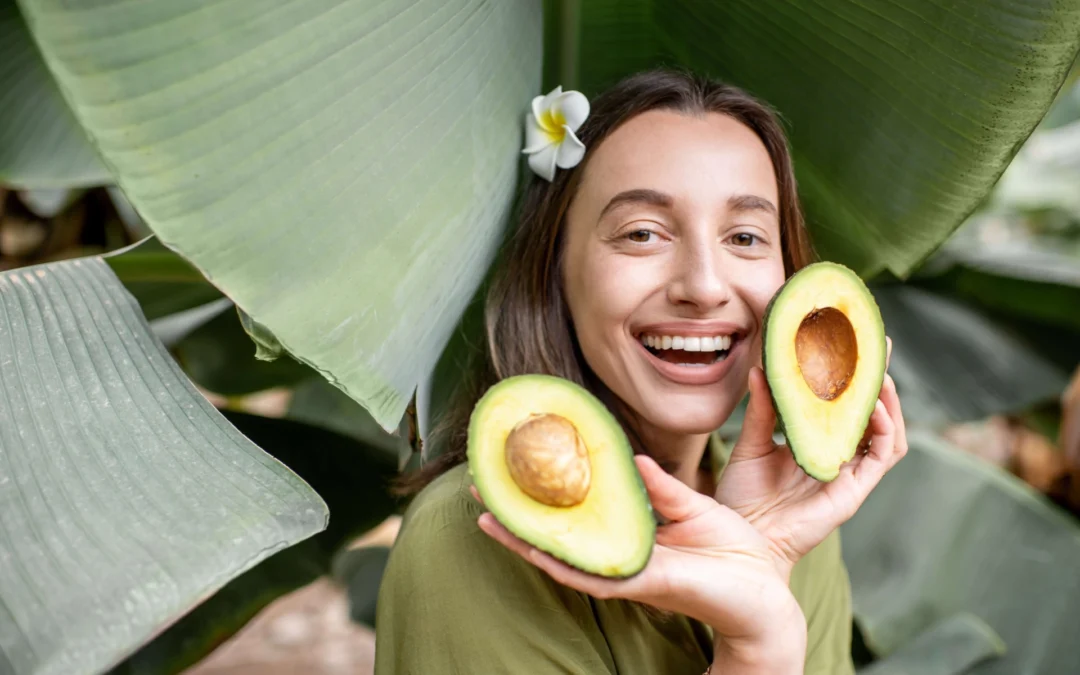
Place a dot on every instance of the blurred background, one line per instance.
(966, 559)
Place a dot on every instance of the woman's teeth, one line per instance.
(692, 352)
(689, 344)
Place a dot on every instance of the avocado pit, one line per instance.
(548, 460)
(827, 352)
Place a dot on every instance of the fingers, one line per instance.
(756, 437)
(564, 574)
(891, 399)
(669, 496)
(873, 465)
(864, 444)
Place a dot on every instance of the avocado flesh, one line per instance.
(611, 531)
(823, 353)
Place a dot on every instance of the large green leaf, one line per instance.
(350, 476)
(950, 647)
(952, 362)
(220, 357)
(1045, 174)
(126, 497)
(360, 571)
(162, 281)
(902, 113)
(315, 401)
(341, 169)
(1030, 284)
(946, 533)
(455, 366)
(41, 143)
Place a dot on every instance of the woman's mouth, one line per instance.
(690, 359)
(689, 351)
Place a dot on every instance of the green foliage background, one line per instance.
(334, 178)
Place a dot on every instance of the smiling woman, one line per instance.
(643, 273)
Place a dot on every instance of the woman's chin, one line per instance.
(688, 418)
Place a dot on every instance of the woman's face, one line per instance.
(672, 252)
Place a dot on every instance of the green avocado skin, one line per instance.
(803, 456)
(590, 405)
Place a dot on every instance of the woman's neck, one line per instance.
(678, 454)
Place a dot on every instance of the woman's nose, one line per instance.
(699, 280)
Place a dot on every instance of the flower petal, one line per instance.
(537, 107)
(570, 151)
(535, 136)
(547, 102)
(543, 162)
(574, 107)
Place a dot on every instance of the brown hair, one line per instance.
(528, 324)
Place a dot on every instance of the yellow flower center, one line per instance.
(552, 121)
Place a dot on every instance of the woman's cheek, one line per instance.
(758, 285)
(618, 285)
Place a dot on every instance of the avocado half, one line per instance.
(555, 467)
(823, 353)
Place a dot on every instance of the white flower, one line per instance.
(549, 131)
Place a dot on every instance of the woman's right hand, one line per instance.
(708, 563)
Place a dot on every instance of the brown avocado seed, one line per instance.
(827, 352)
(548, 460)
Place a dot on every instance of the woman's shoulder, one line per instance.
(440, 537)
(444, 504)
(452, 599)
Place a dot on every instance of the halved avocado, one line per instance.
(555, 467)
(823, 353)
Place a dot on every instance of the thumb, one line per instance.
(756, 437)
(670, 497)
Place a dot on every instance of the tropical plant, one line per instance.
(333, 177)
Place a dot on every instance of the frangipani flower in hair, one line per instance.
(549, 131)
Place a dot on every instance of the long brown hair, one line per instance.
(527, 321)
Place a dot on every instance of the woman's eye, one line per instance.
(639, 236)
(744, 239)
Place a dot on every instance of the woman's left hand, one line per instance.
(795, 512)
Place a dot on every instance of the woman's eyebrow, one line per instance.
(751, 203)
(639, 196)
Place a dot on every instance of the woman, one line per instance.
(681, 220)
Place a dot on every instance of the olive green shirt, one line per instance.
(454, 601)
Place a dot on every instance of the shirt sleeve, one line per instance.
(821, 585)
(438, 614)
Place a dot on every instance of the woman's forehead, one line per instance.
(706, 157)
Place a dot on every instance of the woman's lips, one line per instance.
(693, 374)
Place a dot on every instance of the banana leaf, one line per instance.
(952, 362)
(41, 143)
(119, 483)
(1024, 283)
(162, 282)
(350, 476)
(902, 114)
(343, 170)
(220, 357)
(949, 647)
(946, 533)
(317, 402)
